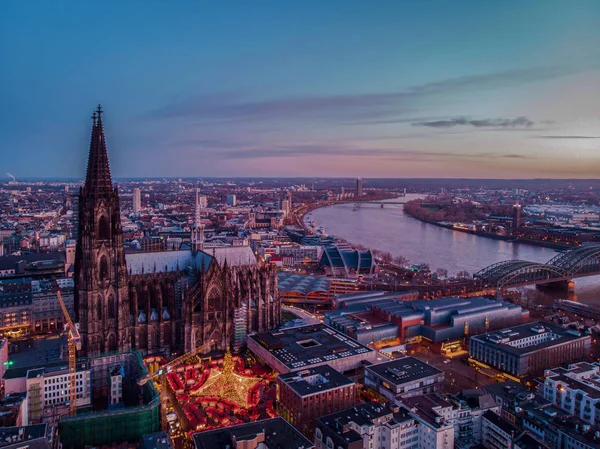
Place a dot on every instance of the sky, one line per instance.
(336, 88)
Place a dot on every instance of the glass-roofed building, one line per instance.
(339, 261)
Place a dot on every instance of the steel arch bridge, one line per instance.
(579, 262)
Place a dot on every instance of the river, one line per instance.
(389, 229)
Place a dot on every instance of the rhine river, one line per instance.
(389, 229)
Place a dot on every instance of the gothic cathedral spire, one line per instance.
(100, 269)
(98, 181)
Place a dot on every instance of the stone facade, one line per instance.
(165, 308)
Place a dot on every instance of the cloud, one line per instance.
(519, 122)
(515, 156)
(566, 137)
(349, 149)
(383, 107)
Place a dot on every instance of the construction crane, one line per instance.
(74, 345)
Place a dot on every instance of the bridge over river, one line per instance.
(558, 271)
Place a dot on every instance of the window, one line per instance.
(103, 228)
(103, 268)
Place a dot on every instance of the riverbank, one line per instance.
(505, 238)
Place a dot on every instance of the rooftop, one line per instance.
(297, 283)
(303, 346)
(361, 415)
(273, 433)
(404, 370)
(314, 380)
(514, 339)
(157, 440)
(22, 434)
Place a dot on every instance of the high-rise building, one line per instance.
(232, 200)
(516, 221)
(198, 227)
(359, 187)
(137, 201)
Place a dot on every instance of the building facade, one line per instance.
(158, 301)
(304, 396)
(529, 348)
(137, 200)
(403, 378)
(576, 390)
(384, 426)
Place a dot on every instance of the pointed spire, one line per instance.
(98, 180)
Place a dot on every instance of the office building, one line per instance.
(137, 201)
(498, 433)
(575, 389)
(530, 413)
(231, 200)
(285, 207)
(385, 426)
(347, 262)
(404, 377)
(303, 396)
(516, 218)
(310, 346)
(48, 388)
(274, 433)
(359, 187)
(468, 409)
(15, 305)
(529, 348)
(47, 313)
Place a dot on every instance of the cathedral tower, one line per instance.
(101, 296)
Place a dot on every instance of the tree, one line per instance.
(441, 273)
(463, 274)
(386, 257)
(401, 261)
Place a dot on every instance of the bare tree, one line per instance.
(441, 273)
(401, 261)
(464, 274)
(386, 257)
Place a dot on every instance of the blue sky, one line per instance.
(396, 88)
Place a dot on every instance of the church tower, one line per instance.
(101, 295)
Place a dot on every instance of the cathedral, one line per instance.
(160, 301)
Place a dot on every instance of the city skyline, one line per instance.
(393, 89)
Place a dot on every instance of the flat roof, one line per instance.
(314, 380)
(277, 433)
(404, 370)
(21, 434)
(157, 440)
(361, 415)
(507, 338)
(309, 345)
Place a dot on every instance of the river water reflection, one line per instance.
(389, 229)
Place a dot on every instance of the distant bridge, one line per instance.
(562, 268)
